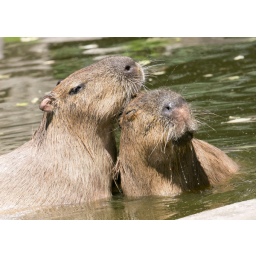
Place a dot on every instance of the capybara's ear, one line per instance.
(127, 116)
(47, 103)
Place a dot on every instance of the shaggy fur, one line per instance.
(70, 156)
(158, 154)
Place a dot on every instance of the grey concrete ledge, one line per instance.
(1, 48)
(245, 210)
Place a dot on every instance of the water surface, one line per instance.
(215, 75)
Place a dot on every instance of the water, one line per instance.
(216, 75)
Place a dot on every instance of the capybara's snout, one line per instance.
(177, 109)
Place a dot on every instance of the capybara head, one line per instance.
(158, 154)
(100, 90)
(158, 117)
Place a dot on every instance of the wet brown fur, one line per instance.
(70, 156)
(157, 156)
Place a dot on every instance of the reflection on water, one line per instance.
(217, 76)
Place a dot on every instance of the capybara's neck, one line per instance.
(172, 168)
(166, 170)
(70, 136)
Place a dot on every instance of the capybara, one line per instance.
(70, 156)
(158, 152)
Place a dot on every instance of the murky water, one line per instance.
(216, 75)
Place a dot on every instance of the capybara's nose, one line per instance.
(133, 68)
(129, 65)
(178, 107)
(128, 68)
(168, 109)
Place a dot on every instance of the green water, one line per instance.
(216, 75)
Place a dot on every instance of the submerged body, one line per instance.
(158, 152)
(70, 156)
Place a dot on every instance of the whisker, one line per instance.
(203, 123)
(156, 145)
(206, 111)
(171, 74)
(183, 90)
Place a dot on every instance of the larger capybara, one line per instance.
(158, 152)
(71, 155)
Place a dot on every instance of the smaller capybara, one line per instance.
(71, 155)
(158, 152)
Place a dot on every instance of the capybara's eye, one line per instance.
(77, 89)
(59, 81)
(127, 113)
